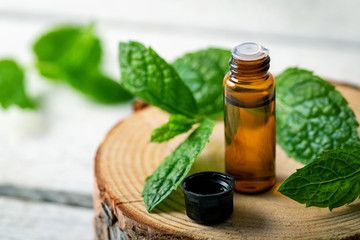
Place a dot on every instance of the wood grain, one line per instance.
(126, 157)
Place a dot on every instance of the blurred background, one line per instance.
(47, 155)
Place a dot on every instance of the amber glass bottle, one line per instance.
(249, 116)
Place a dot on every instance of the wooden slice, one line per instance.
(126, 158)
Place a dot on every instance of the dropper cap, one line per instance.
(249, 51)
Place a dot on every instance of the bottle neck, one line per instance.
(241, 70)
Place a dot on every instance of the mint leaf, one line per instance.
(176, 125)
(98, 87)
(203, 72)
(332, 180)
(73, 54)
(12, 85)
(311, 116)
(85, 52)
(148, 76)
(176, 166)
(65, 48)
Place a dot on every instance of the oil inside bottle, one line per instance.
(249, 116)
(250, 146)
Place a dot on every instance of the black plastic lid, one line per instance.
(208, 196)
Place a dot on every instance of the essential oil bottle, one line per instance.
(249, 116)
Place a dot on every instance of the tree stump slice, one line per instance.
(126, 158)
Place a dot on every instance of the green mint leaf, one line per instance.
(73, 54)
(148, 76)
(203, 72)
(98, 87)
(176, 125)
(12, 85)
(85, 53)
(66, 48)
(311, 116)
(176, 166)
(52, 48)
(111, 91)
(332, 180)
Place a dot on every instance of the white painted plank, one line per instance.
(321, 19)
(21, 220)
(34, 193)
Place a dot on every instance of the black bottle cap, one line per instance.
(208, 196)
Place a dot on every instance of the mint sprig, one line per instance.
(145, 74)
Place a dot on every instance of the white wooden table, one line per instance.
(51, 150)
